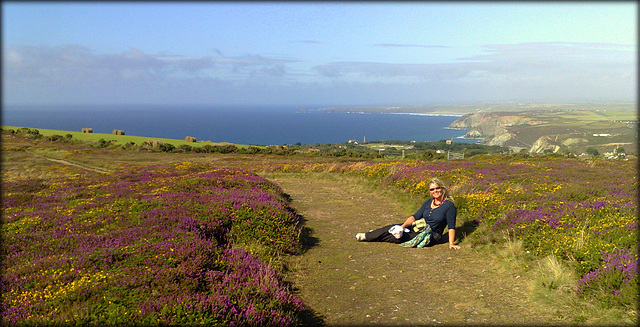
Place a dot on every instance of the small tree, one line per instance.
(593, 151)
(252, 150)
(55, 138)
(102, 143)
(166, 147)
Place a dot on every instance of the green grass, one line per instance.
(599, 119)
(118, 139)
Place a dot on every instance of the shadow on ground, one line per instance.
(461, 233)
(306, 239)
(308, 317)
(467, 228)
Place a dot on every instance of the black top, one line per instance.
(437, 218)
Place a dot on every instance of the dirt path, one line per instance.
(357, 283)
(65, 162)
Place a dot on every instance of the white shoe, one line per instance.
(360, 237)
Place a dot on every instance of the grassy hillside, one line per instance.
(560, 129)
(619, 126)
(117, 139)
(527, 210)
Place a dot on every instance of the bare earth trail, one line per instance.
(358, 283)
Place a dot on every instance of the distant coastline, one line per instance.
(241, 125)
(458, 110)
(422, 114)
(395, 113)
(418, 110)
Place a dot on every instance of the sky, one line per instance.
(317, 53)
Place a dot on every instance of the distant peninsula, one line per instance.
(457, 110)
(534, 128)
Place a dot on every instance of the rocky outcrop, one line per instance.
(486, 130)
(543, 144)
(554, 128)
(468, 121)
(473, 134)
(494, 127)
(491, 124)
(501, 139)
(480, 125)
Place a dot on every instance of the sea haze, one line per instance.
(240, 125)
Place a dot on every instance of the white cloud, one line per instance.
(73, 62)
(519, 72)
(544, 70)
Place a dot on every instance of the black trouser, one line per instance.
(382, 235)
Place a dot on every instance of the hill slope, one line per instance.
(559, 130)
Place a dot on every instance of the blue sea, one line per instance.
(240, 125)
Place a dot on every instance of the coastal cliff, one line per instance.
(535, 128)
(551, 130)
(495, 128)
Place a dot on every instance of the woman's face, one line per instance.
(435, 190)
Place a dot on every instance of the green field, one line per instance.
(118, 139)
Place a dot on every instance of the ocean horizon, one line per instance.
(239, 124)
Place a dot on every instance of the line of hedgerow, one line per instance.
(324, 151)
(419, 150)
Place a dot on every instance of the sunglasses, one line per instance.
(435, 188)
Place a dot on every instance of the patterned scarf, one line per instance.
(419, 241)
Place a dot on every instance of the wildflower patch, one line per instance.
(155, 245)
(561, 207)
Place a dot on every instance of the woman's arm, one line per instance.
(408, 222)
(452, 237)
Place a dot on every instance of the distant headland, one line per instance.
(534, 127)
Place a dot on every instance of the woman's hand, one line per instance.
(452, 237)
(408, 222)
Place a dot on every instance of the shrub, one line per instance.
(103, 144)
(29, 133)
(615, 280)
(225, 148)
(251, 150)
(55, 138)
(593, 151)
(184, 148)
(166, 147)
(155, 245)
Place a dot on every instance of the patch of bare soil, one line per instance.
(346, 282)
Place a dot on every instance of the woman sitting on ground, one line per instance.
(423, 227)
